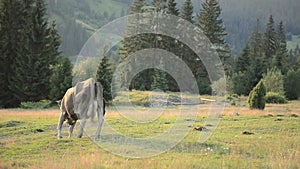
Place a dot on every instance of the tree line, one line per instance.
(33, 68)
(265, 53)
(208, 19)
(266, 57)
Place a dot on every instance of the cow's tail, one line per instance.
(96, 90)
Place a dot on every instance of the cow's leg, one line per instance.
(82, 124)
(71, 129)
(60, 123)
(100, 120)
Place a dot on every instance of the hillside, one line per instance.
(77, 19)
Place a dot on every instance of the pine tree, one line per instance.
(280, 60)
(269, 41)
(10, 44)
(137, 6)
(292, 84)
(61, 78)
(242, 61)
(256, 64)
(255, 42)
(172, 9)
(256, 99)
(187, 11)
(104, 76)
(213, 28)
(32, 66)
(159, 4)
(159, 79)
(133, 43)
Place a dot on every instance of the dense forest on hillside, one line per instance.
(77, 20)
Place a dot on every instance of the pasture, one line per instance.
(28, 139)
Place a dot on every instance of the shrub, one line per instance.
(43, 104)
(256, 99)
(272, 97)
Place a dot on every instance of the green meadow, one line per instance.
(254, 139)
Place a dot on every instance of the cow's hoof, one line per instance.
(79, 136)
(59, 137)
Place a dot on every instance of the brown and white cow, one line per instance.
(81, 102)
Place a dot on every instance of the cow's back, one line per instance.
(84, 95)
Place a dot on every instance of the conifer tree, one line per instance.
(187, 11)
(137, 6)
(256, 99)
(242, 61)
(104, 76)
(213, 28)
(10, 45)
(159, 79)
(61, 79)
(133, 43)
(256, 64)
(172, 9)
(32, 66)
(255, 42)
(280, 60)
(269, 41)
(159, 4)
(29, 47)
(292, 84)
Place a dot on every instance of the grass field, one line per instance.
(28, 140)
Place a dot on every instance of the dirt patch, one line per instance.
(247, 133)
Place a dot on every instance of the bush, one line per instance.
(256, 99)
(43, 104)
(272, 97)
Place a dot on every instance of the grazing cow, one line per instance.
(81, 102)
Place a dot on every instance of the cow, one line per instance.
(81, 102)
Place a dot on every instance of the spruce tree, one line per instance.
(292, 84)
(159, 4)
(10, 45)
(172, 9)
(255, 63)
(242, 61)
(269, 42)
(256, 99)
(104, 76)
(159, 79)
(61, 78)
(187, 11)
(255, 42)
(280, 60)
(32, 66)
(213, 28)
(137, 6)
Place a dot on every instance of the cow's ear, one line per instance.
(58, 102)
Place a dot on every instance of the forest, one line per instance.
(81, 18)
(36, 55)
